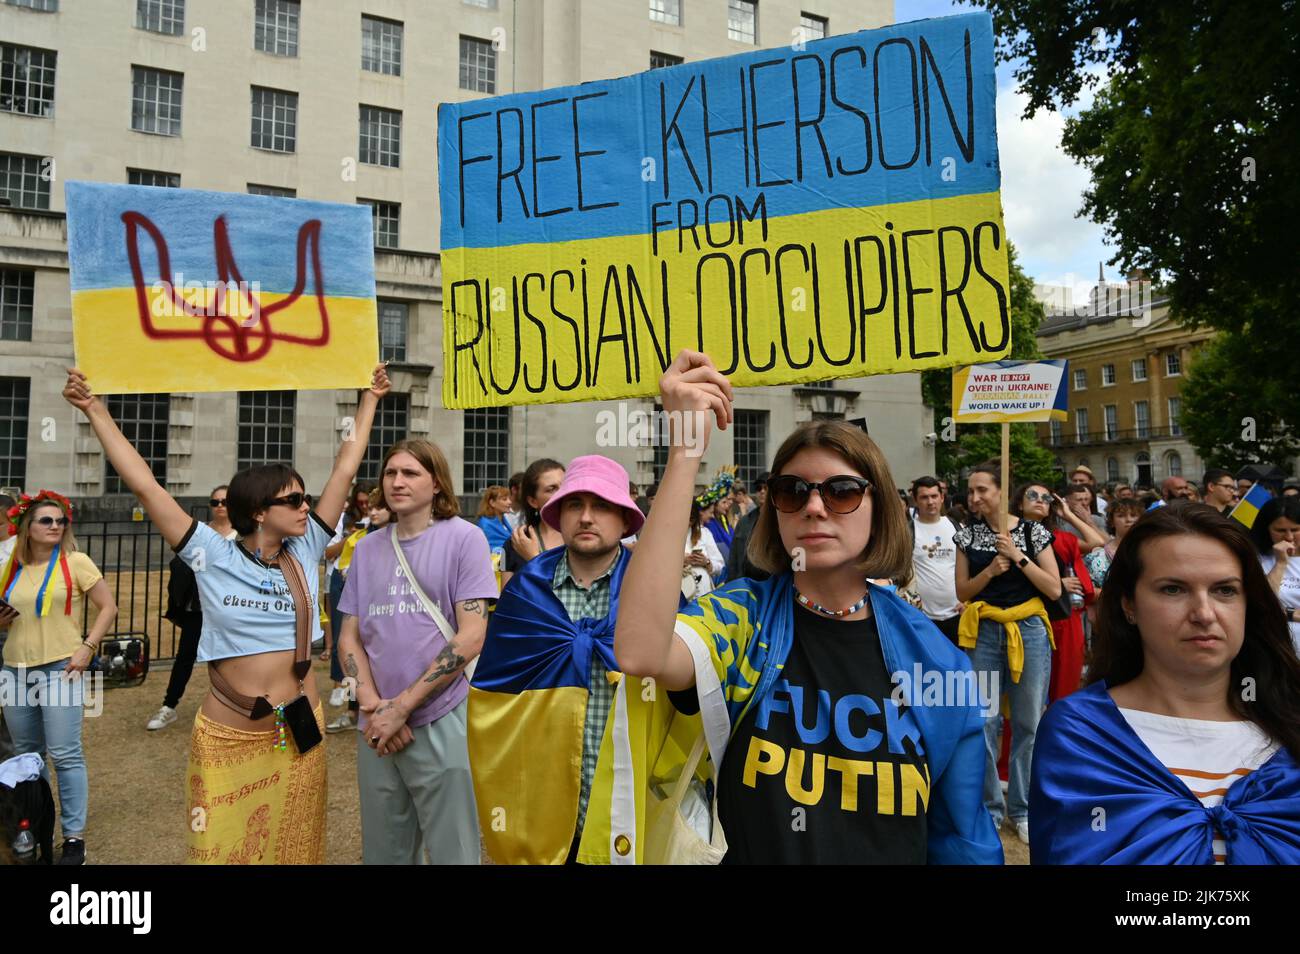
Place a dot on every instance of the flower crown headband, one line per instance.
(720, 487)
(14, 515)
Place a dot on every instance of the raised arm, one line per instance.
(335, 495)
(167, 515)
(1090, 538)
(692, 391)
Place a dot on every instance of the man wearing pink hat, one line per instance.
(543, 689)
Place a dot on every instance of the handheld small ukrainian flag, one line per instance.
(1248, 508)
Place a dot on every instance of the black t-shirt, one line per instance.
(979, 542)
(827, 770)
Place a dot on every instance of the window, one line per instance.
(1173, 464)
(1081, 425)
(1112, 470)
(381, 136)
(1054, 432)
(1173, 364)
(660, 60)
(44, 6)
(276, 27)
(1142, 419)
(1175, 417)
(1111, 415)
(749, 445)
(156, 101)
(161, 16)
(15, 399)
(392, 330)
(1107, 375)
(27, 80)
(17, 303)
(666, 11)
(478, 65)
(151, 177)
(25, 180)
(275, 120)
(742, 20)
(1080, 380)
(392, 424)
(387, 217)
(277, 191)
(381, 46)
(1139, 369)
(266, 420)
(813, 27)
(659, 438)
(487, 448)
(143, 421)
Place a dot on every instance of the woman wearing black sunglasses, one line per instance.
(830, 756)
(255, 795)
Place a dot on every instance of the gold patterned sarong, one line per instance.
(250, 803)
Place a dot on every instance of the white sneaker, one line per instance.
(338, 697)
(1022, 830)
(161, 719)
(342, 723)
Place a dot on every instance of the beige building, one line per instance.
(334, 101)
(1125, 389)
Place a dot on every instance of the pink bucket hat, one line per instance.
(597, 475)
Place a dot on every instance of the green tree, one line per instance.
(1190, 143)
(979, 442)
(1232, 413)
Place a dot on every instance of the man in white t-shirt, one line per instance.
(934, 558)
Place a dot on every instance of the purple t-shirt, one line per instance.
(452, 563)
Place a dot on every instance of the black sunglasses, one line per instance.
(789, 494)
(216, 502)
(52, 521)
(292, 500)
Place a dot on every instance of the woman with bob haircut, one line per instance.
(1276, 533)
(257, 770)
(820, 708)
(1186, 739)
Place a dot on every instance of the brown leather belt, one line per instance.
(259, 707)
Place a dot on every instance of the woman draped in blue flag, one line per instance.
(1182, 749)
(829, 750)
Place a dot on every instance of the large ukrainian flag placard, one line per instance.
(183, 290)
(824, 210)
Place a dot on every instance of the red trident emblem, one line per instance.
(248, 339)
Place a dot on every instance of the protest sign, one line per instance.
(799, 214)
(184, 290)
(1008, 391)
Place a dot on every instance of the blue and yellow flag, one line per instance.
(185, 290)
(818, 210)
(1249, 506)
(527, 708)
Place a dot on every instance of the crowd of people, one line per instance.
(816, 667)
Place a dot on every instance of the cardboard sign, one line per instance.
(1008, 391)
(182, 290)
(798, 214)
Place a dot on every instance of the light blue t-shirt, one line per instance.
(247, 607)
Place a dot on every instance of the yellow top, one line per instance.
(35, 641)
(968, 628)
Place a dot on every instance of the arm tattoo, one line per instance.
(448, 661)
(383, 708)
(350, 667)
(476, 606)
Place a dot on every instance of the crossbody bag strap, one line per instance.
(429, 605)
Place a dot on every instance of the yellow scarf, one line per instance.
(1009, 618)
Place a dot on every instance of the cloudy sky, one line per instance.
(1042, 188)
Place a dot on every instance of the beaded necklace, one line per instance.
(817, 607)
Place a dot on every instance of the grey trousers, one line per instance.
(421, 799)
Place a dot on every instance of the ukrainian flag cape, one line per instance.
(1087, 757)
(748, 627)
(527, 705)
